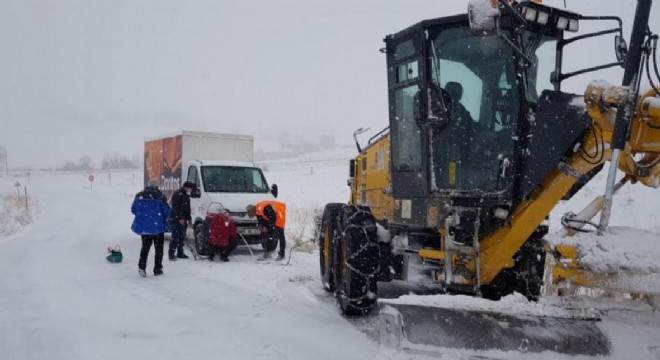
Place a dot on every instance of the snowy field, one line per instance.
(60, 299)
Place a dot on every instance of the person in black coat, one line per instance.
(181, 217)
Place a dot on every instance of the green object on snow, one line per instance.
(115, 255)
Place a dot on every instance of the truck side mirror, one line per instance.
(196, 193)
(273, 190)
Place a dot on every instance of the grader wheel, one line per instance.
(327, 234)
(526, 277)
(529, 269)
(358, 262)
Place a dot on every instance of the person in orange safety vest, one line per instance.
(271, 215)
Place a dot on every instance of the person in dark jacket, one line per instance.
(151, 213)
(181, 218)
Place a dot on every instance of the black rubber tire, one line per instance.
(502, 285)
(197, 228)
(530, 267)
(358, 262)
(269, 245)
(326, 234)
(526, 277)
(201, 244)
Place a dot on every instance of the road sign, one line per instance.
(91, 178)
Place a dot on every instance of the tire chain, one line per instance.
(369, 277)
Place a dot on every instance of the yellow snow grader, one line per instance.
(481, 145)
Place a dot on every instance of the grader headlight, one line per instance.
(562, 23)
(567, 23)
(530, 14)
(542, 18)
(535, 15)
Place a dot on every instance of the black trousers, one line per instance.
(158, 241)
(178, 238)
(280, 234)
(277, 234)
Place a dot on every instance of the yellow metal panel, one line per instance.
(372, 181)
(567, 251)
(645, 131)
(431, 254)
(572, 275)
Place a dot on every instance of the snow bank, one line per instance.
(619, 249)
(14, 215)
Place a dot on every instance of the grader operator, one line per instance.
(481, 146)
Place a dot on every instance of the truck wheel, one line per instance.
(197, 229)
(325, 243)
(358, 262)
(201, 244)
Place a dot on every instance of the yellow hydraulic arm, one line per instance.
(640, 162)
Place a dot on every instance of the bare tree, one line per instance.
(85, 163)
(118, 161)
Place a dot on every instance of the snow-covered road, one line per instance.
(60, 299)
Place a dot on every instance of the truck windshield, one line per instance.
(233, 179)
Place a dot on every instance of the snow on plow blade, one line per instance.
(416, 327)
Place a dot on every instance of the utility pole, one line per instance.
(27, 210)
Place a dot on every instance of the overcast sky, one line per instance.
(82, 77)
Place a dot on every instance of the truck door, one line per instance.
(197, 206)
(404, 60)
(409, 174)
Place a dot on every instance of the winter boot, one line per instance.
(280, 257)
(211, 257)
(172, 256)
(142, 273)
(158, 272)
(265, 256)
(181, 255)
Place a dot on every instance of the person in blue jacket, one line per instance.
(151, 212)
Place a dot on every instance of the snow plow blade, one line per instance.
(416, 327)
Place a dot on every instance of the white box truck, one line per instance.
(222, 167)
